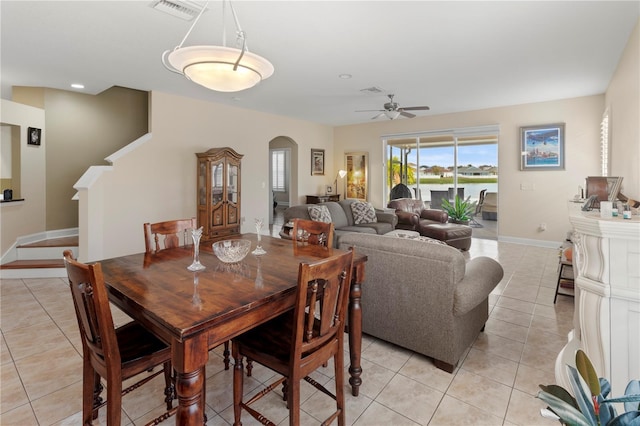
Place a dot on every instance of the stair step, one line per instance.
(34, 263)
(40, 259)
(71, 241)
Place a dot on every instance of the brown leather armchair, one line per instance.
(413, 215)
(432, 223)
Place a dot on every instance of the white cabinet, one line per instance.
(607, 320)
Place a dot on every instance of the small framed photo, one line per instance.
(34, 136)
(542, 147)
(317, 162)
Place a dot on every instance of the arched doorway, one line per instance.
(283, 172)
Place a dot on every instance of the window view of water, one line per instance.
(434, 168)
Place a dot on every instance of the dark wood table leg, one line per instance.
(355, 329)
(189, 359)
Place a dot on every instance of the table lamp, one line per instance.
(341, 174)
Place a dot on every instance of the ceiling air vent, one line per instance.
(182, 9)
(372, 90)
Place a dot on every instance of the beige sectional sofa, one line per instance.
(423, 295)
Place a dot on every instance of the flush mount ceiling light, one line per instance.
(219, 68)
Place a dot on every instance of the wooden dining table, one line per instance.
(196, 311)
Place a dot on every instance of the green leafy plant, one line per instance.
(460, 211)
(590, 406)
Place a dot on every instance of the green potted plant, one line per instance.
(589, 405)
(461, 211)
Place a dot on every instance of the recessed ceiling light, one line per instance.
(345, 76)
(77, 86)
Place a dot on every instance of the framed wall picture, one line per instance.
(34, 136)
(357, 183)
(542, 147)
(317, 162)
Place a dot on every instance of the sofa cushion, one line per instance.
(364, 229)
(319, 213)
(338, 216)
(296, 212)
(363, 213)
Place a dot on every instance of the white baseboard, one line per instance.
(33, 273)
(530, 242)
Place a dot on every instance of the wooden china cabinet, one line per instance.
(219, 193)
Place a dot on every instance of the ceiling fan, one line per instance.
(393, 110)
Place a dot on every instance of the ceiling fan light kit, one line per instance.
(391, 114)
(393, 110)
(219, 68)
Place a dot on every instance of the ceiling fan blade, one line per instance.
(378, 116)
(407, 114)
(416, 108)
(369, 110)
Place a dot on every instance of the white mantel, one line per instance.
(607, 306)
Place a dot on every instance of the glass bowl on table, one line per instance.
(231, 251)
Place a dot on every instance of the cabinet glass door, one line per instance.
(217, 182)
(232, 186)
(202, 183)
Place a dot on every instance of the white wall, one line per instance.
(5, 152)
(623, 100)
(157, 180)
(520, 212)
(25, 217)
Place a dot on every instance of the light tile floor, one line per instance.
(495, 383)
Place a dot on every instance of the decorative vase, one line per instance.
(259, 250)
(196, 265)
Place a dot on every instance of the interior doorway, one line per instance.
(283, 154)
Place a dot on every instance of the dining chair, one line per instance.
(172, 234)
(168, 234)
(301, 340)
(312, 232)
(114, 354)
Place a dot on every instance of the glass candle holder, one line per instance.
(196, 265)
(259, 250)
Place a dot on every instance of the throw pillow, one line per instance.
(431, 240)
(320, 214)
(363, 213)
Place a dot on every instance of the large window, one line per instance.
(455, 161)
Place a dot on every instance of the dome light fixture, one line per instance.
(392, 114)
(219, 68)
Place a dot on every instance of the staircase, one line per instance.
(40, 259)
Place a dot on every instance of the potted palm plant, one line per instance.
(460, 211)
